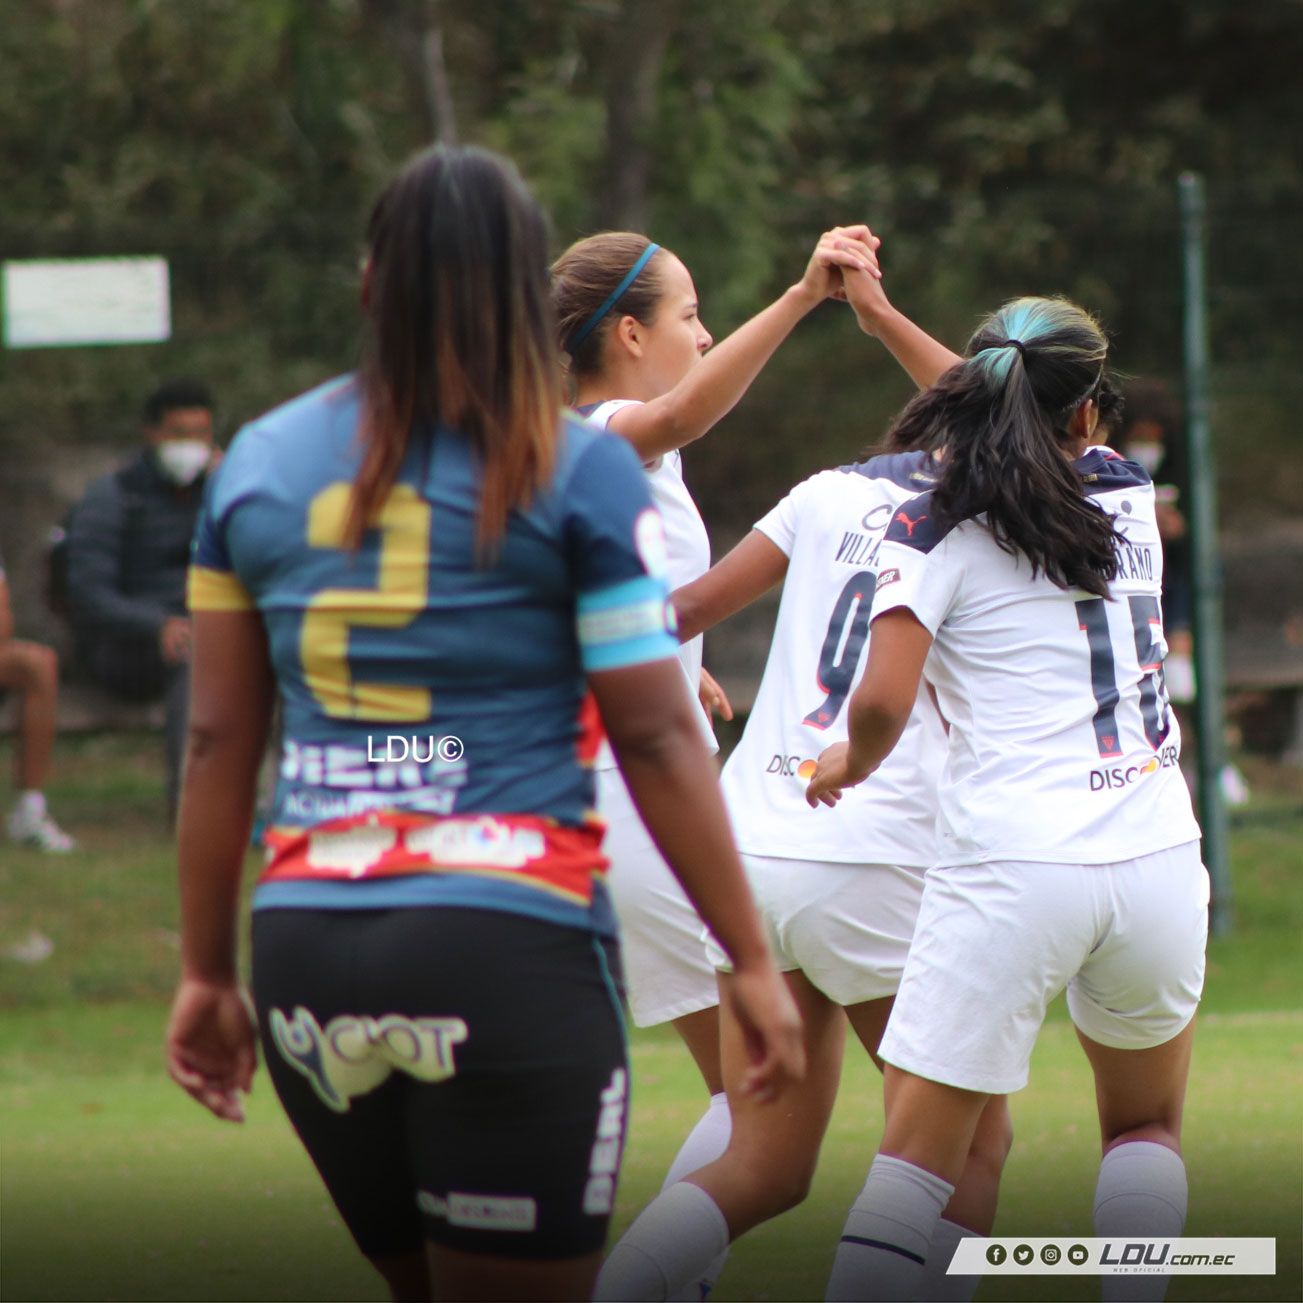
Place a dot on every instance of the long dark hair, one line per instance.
(1001, 416)
(460, 331)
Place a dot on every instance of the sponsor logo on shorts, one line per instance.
(483, 1212)
(1116, 776)
(352, 1055)
(604, 1163)
(791, 767)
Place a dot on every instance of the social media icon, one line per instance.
(1023, 1254)
(1078, 1255)
(1050, 1254)
(996, 1254)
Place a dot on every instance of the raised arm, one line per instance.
(652, 726)
(713, 387)
(925, 359)
(750, 570)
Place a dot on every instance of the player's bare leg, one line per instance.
(1142, 1187)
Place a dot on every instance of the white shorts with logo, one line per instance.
(666, 972)
(847, 927)
(997, 942)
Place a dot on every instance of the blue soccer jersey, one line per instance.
(433, 751)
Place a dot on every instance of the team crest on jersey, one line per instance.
(649, 543)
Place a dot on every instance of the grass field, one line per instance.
(113, 1185)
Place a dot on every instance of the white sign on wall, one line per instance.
(59, 302)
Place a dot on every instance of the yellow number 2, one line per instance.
(398, 598)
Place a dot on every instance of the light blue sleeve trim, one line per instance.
(629, 623)
(628, 593)
(633, 651)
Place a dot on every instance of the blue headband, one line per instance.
(629, 277)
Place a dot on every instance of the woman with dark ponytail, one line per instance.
(1028, 580)
(430, 566)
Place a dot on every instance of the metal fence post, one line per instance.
(1208, 654)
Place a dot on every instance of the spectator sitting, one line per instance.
(128, 548)
(31, 671)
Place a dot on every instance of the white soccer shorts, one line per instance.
(997, 942)
(847, 927)
(666, 972)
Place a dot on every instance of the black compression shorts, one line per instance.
(456, 1075)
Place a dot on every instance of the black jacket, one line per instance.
(128, 549)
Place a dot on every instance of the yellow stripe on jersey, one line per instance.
(216, 590)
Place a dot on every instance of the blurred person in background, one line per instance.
(128, 547)
(32, 672)
(429, 552)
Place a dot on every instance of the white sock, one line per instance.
(670, 1243)
(936, 1285)
(1141, 1194)
(706, 1142)
(884, 1243)
(30, 804)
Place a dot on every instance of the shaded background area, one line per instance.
(1029, 147)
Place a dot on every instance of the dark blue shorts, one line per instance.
(456, 1075)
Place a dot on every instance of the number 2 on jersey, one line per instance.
(1147, 634)
(397, 599)
(847, 629)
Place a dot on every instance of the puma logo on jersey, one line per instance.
(908, 523)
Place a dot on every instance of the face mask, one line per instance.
(1148, 455)
(183, 460)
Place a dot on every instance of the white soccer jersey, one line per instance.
(1062, 747)
(831, 526)
(687, 547)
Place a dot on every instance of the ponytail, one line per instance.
(1001, 416)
